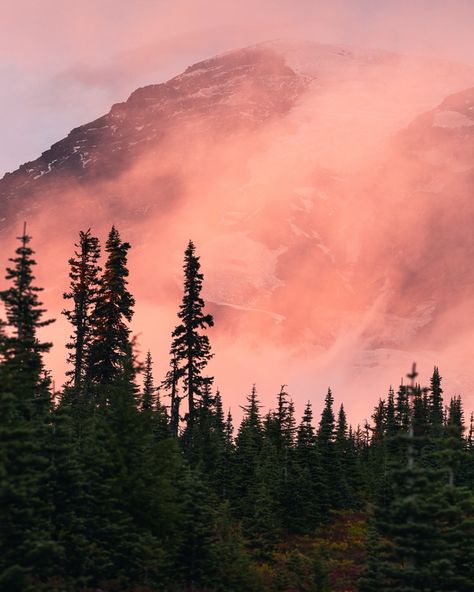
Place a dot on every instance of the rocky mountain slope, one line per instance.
(332, 215)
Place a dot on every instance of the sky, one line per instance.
(64, 63)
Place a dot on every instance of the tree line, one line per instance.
(117, 482)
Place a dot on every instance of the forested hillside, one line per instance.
(118, 482)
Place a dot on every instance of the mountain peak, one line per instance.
(277, 158)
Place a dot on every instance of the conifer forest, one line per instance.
(119, 482)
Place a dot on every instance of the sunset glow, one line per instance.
(236, 312)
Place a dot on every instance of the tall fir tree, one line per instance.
(171, 384)
(310, 495)
(27, 549)
(328, 454)
(436, 399)
(83, 291)
(148, 398)
(110, 346)
(190, 347)
(23, 350)
(248, 444)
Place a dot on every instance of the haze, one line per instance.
(336, 313)
(63, 64)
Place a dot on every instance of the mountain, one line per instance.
(328, 194)
(233, 92)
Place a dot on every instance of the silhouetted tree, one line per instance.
(83, 290)
(110, 345)
(190, 347)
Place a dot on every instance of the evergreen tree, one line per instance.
(456, 414)
(262, 521)
(83, 290)
(327, 425)
(27, 549)
(204, 440)
(248, 444)
(110, 342)
(153, 412)
(310, 495)
(106, 499)
(346, 462)
(436, 401)
(419, 522)
(197, 558)
(306, 435)
(226, 469)
(170, 383)
(148, 399)
(23, 350)
(402, 408)
(328, 454)
(190, 346)
(70, 499)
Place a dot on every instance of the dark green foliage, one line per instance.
(424, 520)
(148, 400)
(436, 400)
(372, 579)
(170, 383)
(329, 458)
(83, 290)
(190, 349)
(402, 408)
(154, 413)
(262, 524)
(27, 547)
(248, 445)
(309, 489)
(103, 488)
(197, 551)
(110, 342)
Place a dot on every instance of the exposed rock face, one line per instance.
(331, 200)
(233, 92)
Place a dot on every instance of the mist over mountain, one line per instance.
(328, 189)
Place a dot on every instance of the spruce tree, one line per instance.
(69, 498)
(263, 519)
(417, 521)
(327, 453)
(346, 461)
(110, 343)
(248, 445)
(83, 289)
(327, 425)
(225, 468)
(310, 495)
(436, 401)
(23, 350)
(148, 398)
(197, 560)
(27, 548)
(402, 409)
(190, 346)
(306, 434)
(171, 384)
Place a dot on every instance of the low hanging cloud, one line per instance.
(300, 219)
(309, 219)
